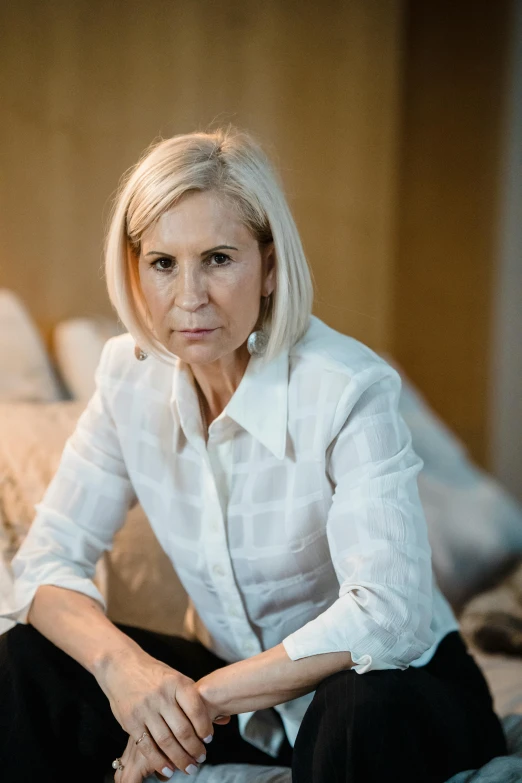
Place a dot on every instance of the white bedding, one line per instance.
(503, 769)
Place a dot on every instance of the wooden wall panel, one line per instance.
(454, 88)
(86, 86)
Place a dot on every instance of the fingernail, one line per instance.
(208, 739)
(202, 758)
(191, 769)
(167, 772)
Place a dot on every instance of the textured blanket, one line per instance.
(492, 621)
(33, 436)
(136, 578)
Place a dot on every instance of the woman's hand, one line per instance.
(135, 766)
(146, 695)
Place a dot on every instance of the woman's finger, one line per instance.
(123, 759)
(222, 720)
(162, 750)
(193, 706)
(133, 773)
(183, 730)
(126, 775)
(135, 766)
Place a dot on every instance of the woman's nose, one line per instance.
(191, 290)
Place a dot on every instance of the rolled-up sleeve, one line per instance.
(84, 505)
(377, 535)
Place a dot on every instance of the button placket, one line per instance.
(215, 544)
(213, 511)
(218, 558)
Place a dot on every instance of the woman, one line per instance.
(269, 456)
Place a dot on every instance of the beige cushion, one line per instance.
(142, 586)
(77, 344)
(136, 578)
(26, 372)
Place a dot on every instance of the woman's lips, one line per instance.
(192, 333)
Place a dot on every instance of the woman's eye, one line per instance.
(222, 257)
(161, 268)
(164, 264)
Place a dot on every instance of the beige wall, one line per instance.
(384, 117)
(455, 89)
(86, 86)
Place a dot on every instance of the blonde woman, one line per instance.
(269, 455)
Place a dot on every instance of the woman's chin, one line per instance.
(197, 353)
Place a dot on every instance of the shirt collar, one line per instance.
(259, 404)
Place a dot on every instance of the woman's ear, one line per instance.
(269, 268)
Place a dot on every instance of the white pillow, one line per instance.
(78, 344)
(26, 372)
(474, 525)
(232, 773)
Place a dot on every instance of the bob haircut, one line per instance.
(228, 162)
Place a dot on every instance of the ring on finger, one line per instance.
(145, 734)
(116, 764)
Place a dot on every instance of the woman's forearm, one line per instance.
(267, 679)
(76, 623)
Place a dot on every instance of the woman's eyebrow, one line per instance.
(204, 253)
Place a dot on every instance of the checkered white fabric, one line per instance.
(298, 521)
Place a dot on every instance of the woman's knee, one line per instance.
(348, 714)
(28, 657)
(347, 707)
(347, 692)
(22, 644)
(17, 643)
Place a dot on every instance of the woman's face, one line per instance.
(201, 268)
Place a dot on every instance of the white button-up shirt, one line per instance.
(297, 521)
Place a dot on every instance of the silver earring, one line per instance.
(139, 354)
(258, 340)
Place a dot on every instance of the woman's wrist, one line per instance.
(212, 694)
(244, 686)
(121, 652)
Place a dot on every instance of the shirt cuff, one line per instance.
(372, 646)
(297, 645)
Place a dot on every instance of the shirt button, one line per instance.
(219, 570)
(249, 647)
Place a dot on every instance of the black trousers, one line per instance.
(421, 725)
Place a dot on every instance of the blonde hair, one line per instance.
(228, 162)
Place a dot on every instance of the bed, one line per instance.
(475, 527)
